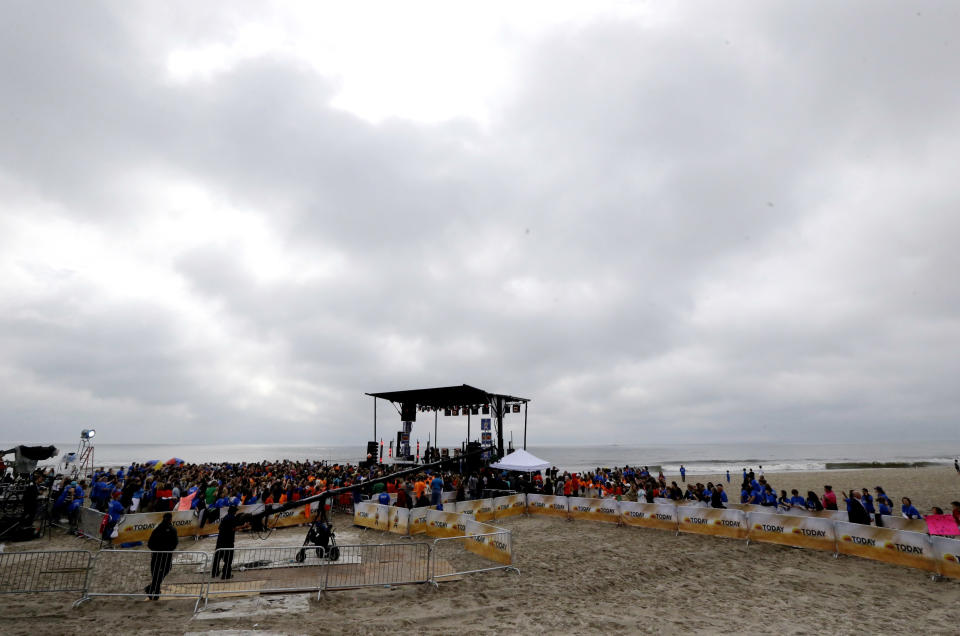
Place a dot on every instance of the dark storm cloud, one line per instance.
(733, 224)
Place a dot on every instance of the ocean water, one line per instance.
(697, 458)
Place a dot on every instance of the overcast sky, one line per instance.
(676, 221)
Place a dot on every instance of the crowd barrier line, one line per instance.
(38, 571)
(125, 571)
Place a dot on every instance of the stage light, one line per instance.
(87, 433)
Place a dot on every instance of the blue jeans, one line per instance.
(434, 498)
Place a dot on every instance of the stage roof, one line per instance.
(446, 396)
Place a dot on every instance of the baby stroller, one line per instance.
(321, 535)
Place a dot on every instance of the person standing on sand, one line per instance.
(163, 540)
(956, 465)
(856, 512)
(683, 473)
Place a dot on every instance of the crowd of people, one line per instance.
(212, 488)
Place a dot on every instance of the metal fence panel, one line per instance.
(251, 570)
(454, 557)
(44, 571)
(149, 574)
(379, 565)
(88, 522)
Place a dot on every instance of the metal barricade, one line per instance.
(252, 570)
(146, 573)
(88, 523)
(454, 557)
(44, 571)
(379, 565)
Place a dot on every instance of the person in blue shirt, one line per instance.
(384, 498)
(796, 501)
(769, 496)
(883, 508)
(745, 495)
(728, 476)
(909, 511)
(436, 488)
(683, 473)
(867, 500)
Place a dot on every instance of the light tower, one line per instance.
(85, 453)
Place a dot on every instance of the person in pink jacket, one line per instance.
(829, 498)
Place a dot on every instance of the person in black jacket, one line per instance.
(226, 537)
(856, 511)
(163, 540)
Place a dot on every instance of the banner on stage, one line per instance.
(550, 505)
(594, 509)
(510, 505)
(646, 515)
(900, 547)
(718, 522)
(489, 542)
(801, 531)
(446, 524)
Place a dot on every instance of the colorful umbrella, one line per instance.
(174, 460)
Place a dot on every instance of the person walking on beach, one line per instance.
(683, 473)
(163, 540)
(728, 475)
(956, 465)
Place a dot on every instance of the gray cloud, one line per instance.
(735, 225)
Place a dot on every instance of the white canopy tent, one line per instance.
(521, 461)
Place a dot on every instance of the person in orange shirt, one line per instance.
(574, 485)
(567, 487)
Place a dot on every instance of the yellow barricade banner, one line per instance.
(901, 523)
(468, 507)
(911, 549)
(947, 553)
(418, 520)
(383, 518)
(398, 520)
(489, 542)
(836, 515)
(509, 506)
(550, 505)
(365, 514)
(441, 523)
(138, 527)
(594, 509)
(288, 518)
(718, 522)
(802, 531)
(648, 515)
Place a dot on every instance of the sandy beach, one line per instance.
(583, 577)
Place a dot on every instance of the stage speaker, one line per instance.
(408, 412)
(373, 449)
